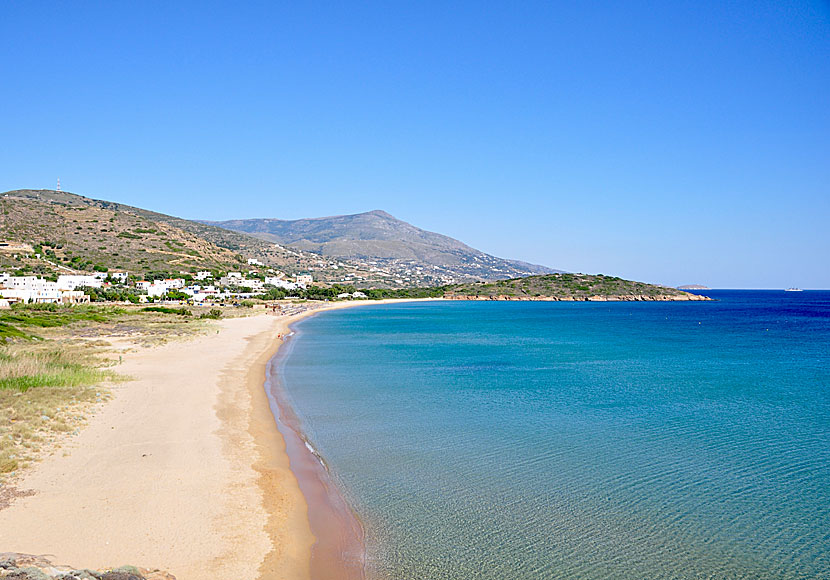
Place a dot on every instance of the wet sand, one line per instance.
(185, 470)
(338, 551)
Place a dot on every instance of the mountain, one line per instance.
(416, 255)
(76, 233)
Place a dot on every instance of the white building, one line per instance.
(255, 285)
(203, 275)
(161, 287)
(254, 262)
(120, 277)
(38, 291)
(304, 280)
(280, 282)
(234, 279)
(71, 281)
(157, 290)
(32, 283)
(36, 296)
(199, 293)
(357, 295)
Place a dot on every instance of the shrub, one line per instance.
(166, 310)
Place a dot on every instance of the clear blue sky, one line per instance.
(672, 142)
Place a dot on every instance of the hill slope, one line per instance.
(379, 237)
(78, 233)
(567, 287)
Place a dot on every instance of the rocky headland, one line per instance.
(596, 298)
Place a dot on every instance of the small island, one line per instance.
(693, 287)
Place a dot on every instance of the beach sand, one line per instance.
(184, 470)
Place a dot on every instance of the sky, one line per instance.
(668, 142)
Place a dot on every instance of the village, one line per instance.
(202, 287)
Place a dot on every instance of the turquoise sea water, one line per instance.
(577, 440)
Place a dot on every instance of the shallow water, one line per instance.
(577, 440)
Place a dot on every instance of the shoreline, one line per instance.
(163, 475)
(184, 469)
(338, 552)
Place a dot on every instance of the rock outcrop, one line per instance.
(14, 566)
(596, 298)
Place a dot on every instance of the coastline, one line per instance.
(337, 551)
(687, 297)
(184, 469)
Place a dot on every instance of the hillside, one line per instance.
(568, 287)
(77, 233)
(413, 253)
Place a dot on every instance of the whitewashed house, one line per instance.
(72, 281)
(120, 277)
(38, 291)
(255, 284)
(279, 282)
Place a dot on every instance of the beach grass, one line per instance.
(56, 362)
(23, 367)
(52, 315)
(45, 390)
(31, 420)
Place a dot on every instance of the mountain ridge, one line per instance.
(378, 235)
(79, 233)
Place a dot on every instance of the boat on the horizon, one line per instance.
(793, 290)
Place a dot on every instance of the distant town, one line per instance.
(200, 287)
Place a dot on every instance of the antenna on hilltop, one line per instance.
(59, 184)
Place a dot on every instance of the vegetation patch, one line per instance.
(34, 418)
(44, 389)
(9, 332)
(212, 314)
(166, 310)
(52, 315)
(24, 368)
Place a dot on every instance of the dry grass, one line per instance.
(32, 421)
(23, 367)
(49, 386)
(46, 389)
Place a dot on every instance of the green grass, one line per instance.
(52, 315)
(23, 369)
(8, 331)
(166, 310)
(43, 387)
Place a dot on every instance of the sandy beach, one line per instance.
(184, 470)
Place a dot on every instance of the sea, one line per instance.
(536, 440)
